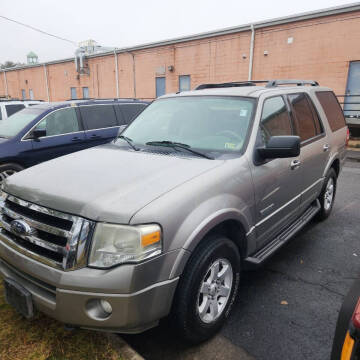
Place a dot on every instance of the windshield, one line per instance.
(15, 123)
(210, 123)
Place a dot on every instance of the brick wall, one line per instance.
(321, 49)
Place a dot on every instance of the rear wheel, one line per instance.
(327, 196)
(7, 170)
(207, 289)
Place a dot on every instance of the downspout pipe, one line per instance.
(47, 83)
(6, 85)
(251, 57)
(134, 73)
(116, 74)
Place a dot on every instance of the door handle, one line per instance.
(326, 147)
(76, 138)
(94, 136)
(295, 164)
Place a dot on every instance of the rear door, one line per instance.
(64, 135)
(314, 146)
(100, 123)
(276, 181)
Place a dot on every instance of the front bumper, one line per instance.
(143, 295)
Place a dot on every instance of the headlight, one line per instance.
(116, 244)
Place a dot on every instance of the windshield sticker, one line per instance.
(243, 112)
(230, 145)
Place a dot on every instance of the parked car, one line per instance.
(161, 222)
(9, 107)
(46, 131)
(346, 344)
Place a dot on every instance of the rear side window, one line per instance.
(60, 122)
(130, 111)
(98, 116)
(303, 116)
(12, 109)
(332, 109)
(275, 119)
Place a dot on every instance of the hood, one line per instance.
(105, 183)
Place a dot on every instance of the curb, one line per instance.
(126, 352)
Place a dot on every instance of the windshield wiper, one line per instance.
(174, 144)
(128, 140)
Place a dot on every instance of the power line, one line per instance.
(38, 30)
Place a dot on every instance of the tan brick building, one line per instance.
(318, 45)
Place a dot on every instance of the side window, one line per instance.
(130, 111)
(12, 109)
(332, 109)
(60, 122)
(275, 119)
(318, 124)
(303, 116)
(98, 116)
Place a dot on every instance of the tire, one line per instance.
(7, 170)
(198, 296)
(327, 194)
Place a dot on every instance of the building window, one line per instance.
(85, 92)
(31, 94)
(184, 82)
(73, 93)
(160, 86)
(23, 94)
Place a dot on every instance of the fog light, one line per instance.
(98, 309)
(106, 306)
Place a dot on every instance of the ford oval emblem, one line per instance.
(21, 227)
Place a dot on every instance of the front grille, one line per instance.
(49, 236)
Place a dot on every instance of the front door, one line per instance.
(276, 181)
(63, 135)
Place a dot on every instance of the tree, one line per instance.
(9, 64)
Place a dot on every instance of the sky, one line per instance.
(118, 23)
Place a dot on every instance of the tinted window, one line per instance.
(303, 117)
(130, 111)
(275, 119)
(318, 124)
(98, 116)
(15, 123)
(12, 109)
(332, 109)
(60, 122)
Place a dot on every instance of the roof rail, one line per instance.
(274, 83)
(269, 83)
(230, 84)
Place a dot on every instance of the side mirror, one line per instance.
(280, 147)
(38, 133)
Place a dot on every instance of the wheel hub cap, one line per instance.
(215, 290)
(329, 194)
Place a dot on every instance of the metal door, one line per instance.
(353, 90)
(160, 86)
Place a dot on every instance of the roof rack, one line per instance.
(274, 83)
(269, 83)
(230, 84)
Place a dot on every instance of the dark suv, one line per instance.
(46, 131)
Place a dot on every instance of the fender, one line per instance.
(334, 156)
(203, 226)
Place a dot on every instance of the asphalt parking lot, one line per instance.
(288, 308)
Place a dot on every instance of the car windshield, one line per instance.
(11, 126)
(207, 123)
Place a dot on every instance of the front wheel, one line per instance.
(327, 195)
(7, 170)
(207, 289)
